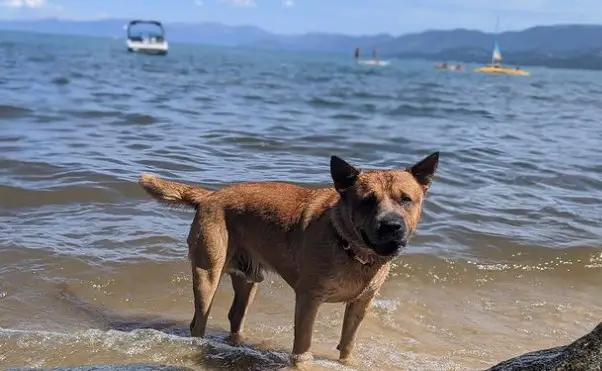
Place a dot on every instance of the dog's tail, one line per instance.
(172, 193)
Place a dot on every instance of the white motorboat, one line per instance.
(141, 39)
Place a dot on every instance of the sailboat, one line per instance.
(496, 63)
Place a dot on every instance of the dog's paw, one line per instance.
(345, 355)
(302, 358)
(348, 361)
(234, 339)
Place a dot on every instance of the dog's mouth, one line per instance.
(388, 248)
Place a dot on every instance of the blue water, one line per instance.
(518, 185)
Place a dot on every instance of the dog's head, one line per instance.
(379, 210)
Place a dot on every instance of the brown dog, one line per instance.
(330, 245)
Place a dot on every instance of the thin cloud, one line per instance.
(239, 3)
(533, 6)
(33, 4)
(198, 3)
(288, 3)
(244, 3)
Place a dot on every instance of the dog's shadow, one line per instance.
(216, 352)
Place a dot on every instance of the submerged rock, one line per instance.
(585, 354)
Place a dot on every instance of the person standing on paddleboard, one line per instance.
(374, 55)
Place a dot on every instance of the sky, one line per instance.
(341, 16)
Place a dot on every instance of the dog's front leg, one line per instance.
(355, 312)
(306, 309)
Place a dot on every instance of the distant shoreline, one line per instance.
(576, 47)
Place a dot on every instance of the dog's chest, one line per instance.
(349, 285)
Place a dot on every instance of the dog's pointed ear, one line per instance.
(343, 174)
(424, 170)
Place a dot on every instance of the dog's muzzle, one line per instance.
(388, 235)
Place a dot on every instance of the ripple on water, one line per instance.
(61, 81)
(10, 111)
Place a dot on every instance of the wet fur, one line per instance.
(315, 239)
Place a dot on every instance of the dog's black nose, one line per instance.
(390, 224)
(389, 227)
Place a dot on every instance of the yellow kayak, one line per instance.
(502, 70)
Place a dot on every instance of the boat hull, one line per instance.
(156, 48)
(502, 71)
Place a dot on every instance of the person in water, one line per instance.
(374, 55)
(357, 54)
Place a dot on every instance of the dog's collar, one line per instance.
(347, 248)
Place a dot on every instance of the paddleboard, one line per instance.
(370, 62)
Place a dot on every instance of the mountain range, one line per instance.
(566, 46)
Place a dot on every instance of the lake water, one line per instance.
(507, 259)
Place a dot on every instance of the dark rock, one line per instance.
(585, 354)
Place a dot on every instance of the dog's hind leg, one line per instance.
(205, 282)
(208, 256)
(244, 292)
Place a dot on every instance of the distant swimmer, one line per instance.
(357, 54)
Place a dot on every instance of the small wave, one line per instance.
(111, 96)
(347, 117)
(19, 197)
(91, 114)
(141, 349)
(68, 187)
(367, 95)
(8, 111)
(204, 98)
(253, 97)
(41, 348)
(541, 98)
(269, 85)
(61, 81)
(78, 75)
(413, 110)
(324, 102)
(41, 58)
(141, 119)
(423, 110)
(314, 78)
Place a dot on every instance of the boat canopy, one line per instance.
(140, 21)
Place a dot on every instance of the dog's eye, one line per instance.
(369, 201)
(405, 199)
